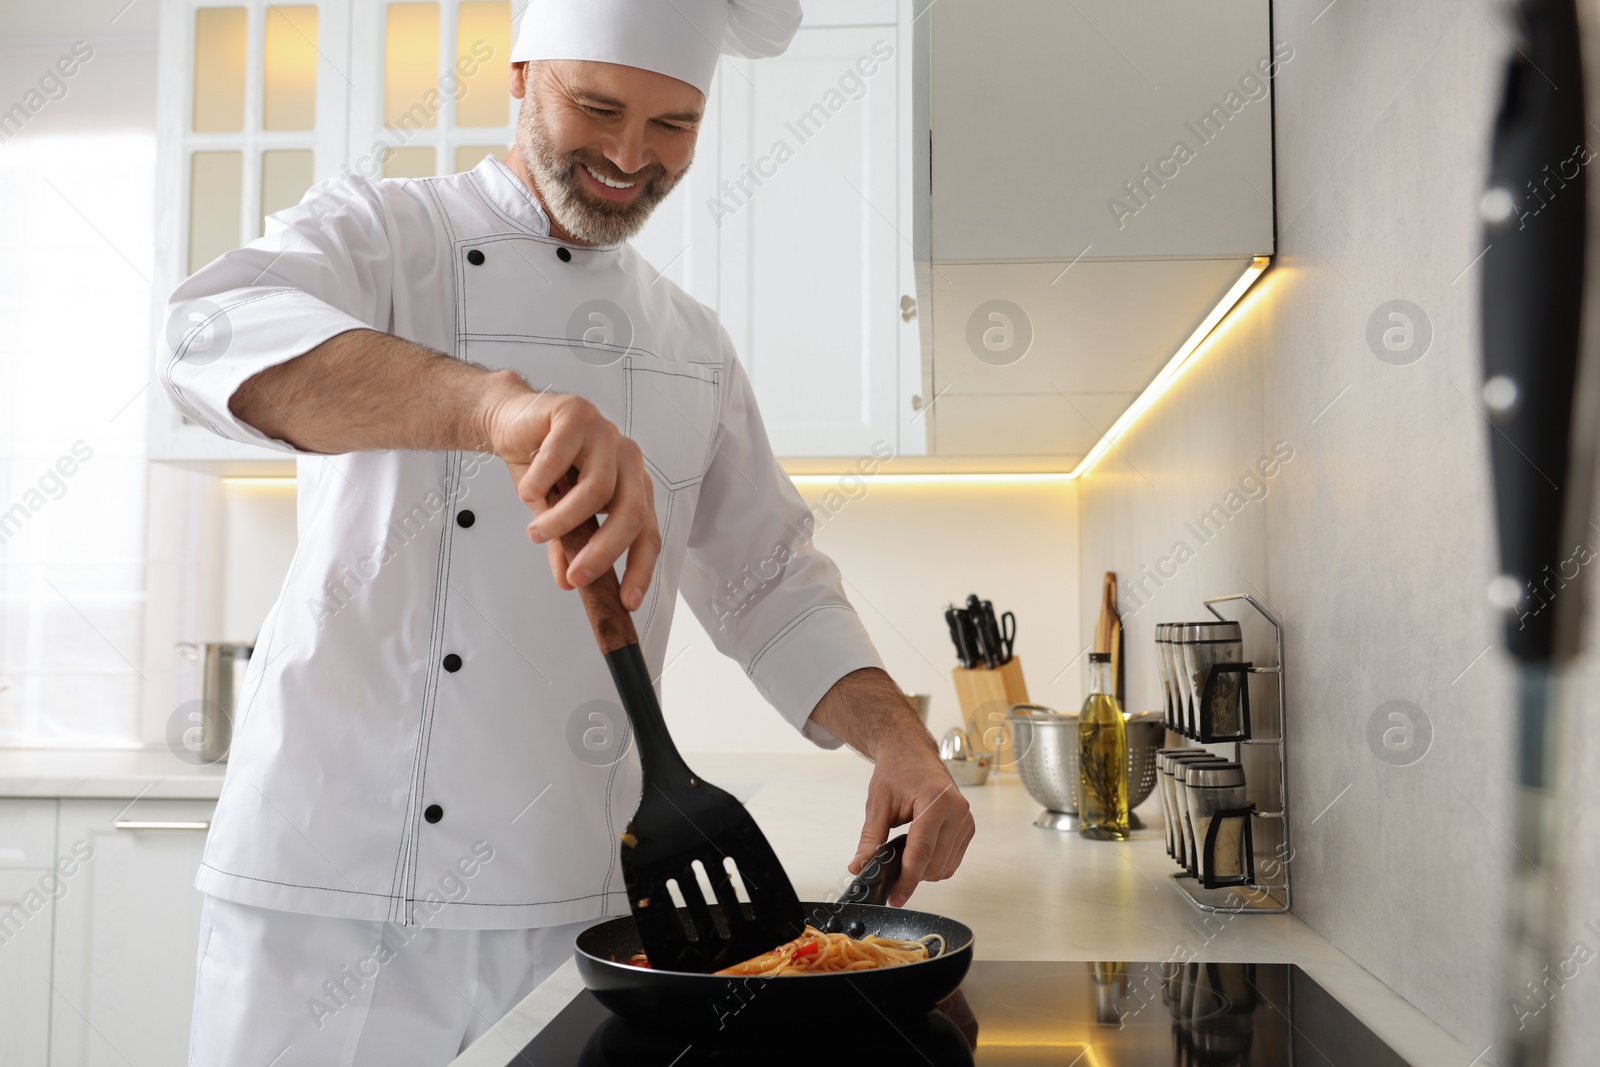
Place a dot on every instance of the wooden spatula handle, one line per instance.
(602, 598)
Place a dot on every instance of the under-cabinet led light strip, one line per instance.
(1174, 368)
(1001, 478)
(1154, 391)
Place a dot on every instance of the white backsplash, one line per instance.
(904, 549)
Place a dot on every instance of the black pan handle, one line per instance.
(871, 886)
(1534, 213)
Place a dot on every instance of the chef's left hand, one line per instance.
(910, 785)
(866, 710)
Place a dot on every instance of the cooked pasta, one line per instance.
(815, 952)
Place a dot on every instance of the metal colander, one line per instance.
(1046, 745)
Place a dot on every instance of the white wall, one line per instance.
(904, 549)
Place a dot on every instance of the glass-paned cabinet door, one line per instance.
(252, 113)
(429, 88)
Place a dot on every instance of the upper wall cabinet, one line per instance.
(790, 224)
(1093, 179)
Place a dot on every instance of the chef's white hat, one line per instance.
(679, 38)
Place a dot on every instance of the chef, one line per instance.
(430, 768)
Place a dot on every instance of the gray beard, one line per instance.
(556, 176)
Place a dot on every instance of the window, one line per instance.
(76, 257)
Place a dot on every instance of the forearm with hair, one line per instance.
(364, 391)
(866, 710)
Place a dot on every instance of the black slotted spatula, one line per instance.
(682, 820)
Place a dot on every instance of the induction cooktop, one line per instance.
(1017, 1014)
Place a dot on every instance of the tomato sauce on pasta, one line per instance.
(815, 952)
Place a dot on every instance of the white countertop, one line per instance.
(1027, 893)
(106, 773)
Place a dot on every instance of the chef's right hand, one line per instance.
(541, 436)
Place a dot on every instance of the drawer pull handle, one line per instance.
(139, 824)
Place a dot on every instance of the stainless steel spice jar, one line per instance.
(1215, 788)
(1164, 672)
(1205, 644)
(1164, 790)
(1184, 834)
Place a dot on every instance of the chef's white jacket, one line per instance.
(421, 686)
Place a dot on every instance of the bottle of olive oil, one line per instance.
(1102, 758)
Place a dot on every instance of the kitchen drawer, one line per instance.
(27, 833)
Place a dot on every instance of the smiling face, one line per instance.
(602, 144)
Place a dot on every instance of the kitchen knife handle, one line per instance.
(985, 652)
(951, 620)
(966, 639)
(602, 597)
(1532, 293)
(988, 631)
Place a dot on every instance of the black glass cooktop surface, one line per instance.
(1016, 1014)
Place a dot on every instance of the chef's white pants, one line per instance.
(288, 990)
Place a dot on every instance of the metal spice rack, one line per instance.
(1257, 898)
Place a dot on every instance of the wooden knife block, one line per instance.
(986, 696)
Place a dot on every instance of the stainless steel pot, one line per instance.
(1046, 744)
(203, 732)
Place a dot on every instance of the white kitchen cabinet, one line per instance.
(126, 930)
(1093, 179)
(27, 909)
(809, 218)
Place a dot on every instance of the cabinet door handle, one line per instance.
(140, 824)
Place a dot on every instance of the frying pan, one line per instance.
(697, 1003)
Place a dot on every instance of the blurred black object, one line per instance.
(1535, 217)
